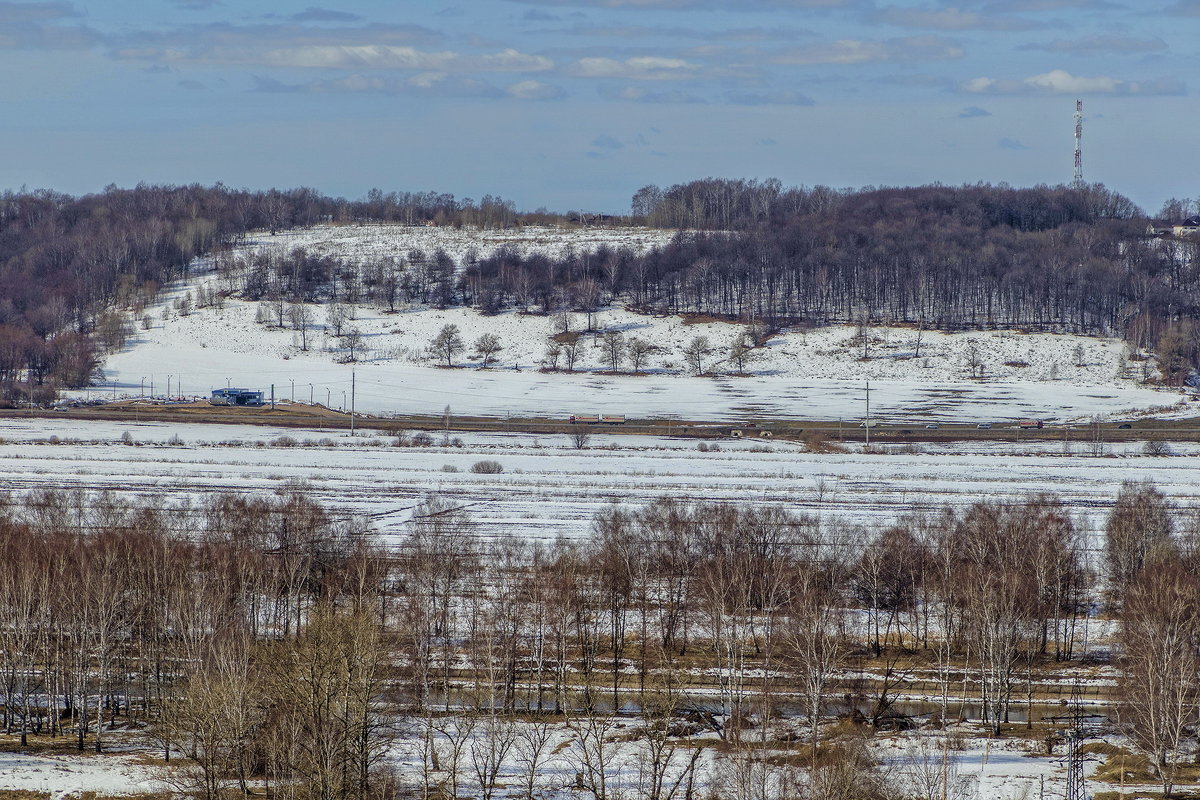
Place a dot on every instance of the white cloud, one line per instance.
(950, 19)
(1062, 82)
(350, 56)
(1100, 44)
(864, 51)
(534, 90)
(650, 68)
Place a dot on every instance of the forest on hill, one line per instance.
(75, 272)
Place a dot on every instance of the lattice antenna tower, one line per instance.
(1077, 182)
(1076, 785)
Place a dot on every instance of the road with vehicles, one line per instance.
(301, 415)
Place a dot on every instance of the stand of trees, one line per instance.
(77, 272)
(267, 642)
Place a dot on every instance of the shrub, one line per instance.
(450, 468)
(487, 467)
(422, 439)
(1155, 447)
(284, 441)
(175, 440)
(127, 437)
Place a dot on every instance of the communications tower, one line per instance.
(1077, 182)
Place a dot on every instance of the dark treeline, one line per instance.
(264, 641)
(1046, 258)
(75, 271)
(67, 262)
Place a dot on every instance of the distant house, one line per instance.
(235, 397)
(1188, 227)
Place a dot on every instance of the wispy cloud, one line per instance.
(432, 84)
(760, 34)
(863, 51)
(1062, 82)
(1091, 45)
(693, 5)
(645, 68)
(534, 90)
(971, 112)
(1021, 6)
(314, 14)
(607, 142)
(39, 26)
(1184, 8)
(778, 97)
(346, 57)
(949, 19)
(639, 94)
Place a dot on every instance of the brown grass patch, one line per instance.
(816, 443)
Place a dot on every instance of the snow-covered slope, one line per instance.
(816, 374)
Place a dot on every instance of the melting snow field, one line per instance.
(65, 776)
(549, 488)
(812, 374)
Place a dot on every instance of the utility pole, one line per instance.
(310, 394)
(272, 397)
(352, 387)
(868, 422)
(293, 380)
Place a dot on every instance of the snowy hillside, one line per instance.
(815, 374)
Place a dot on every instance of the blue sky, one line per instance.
(575, 104)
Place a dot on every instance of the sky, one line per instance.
(575, 104)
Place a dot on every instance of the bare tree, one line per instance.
(487, 346)
(336, 317)
(614, 349)
(816, 646)
(696, 351)
(447, 344)
(532, 751)
(1159, 687)
(741, 352)
(300, 316)
(572, 349)
(639, 351)
(553, 352)
(1140, 522)
(354, 344)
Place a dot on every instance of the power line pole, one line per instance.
(352, 387)
(868, 422)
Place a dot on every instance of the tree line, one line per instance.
(268, 641)
(952, 258)
(75, 270)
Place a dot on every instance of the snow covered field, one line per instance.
(65, 776)
(549, 488)
(818, 374)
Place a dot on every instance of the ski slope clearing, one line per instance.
(799, 374)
